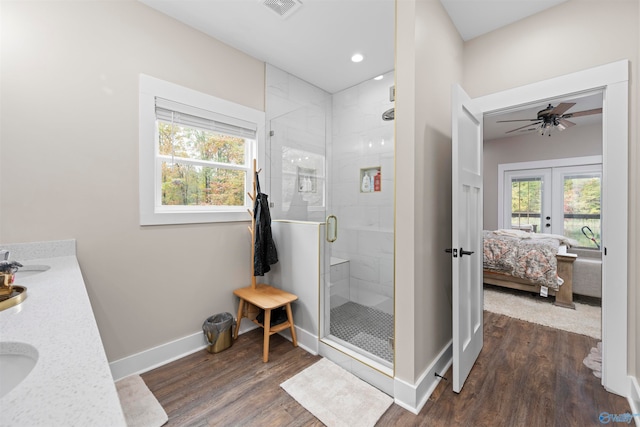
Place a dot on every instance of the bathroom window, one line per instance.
(196, 154)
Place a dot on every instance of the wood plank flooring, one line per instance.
(526, 375)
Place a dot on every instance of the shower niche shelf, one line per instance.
(371, 179)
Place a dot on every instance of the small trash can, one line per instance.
(217, 332)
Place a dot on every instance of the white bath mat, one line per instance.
(594, 360)
(336, 397)
(140, 406)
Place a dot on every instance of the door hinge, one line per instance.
(271, 133)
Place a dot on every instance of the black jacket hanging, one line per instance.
(265, 253)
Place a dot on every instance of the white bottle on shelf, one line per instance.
(366, 183)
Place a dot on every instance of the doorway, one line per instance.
(612, 79)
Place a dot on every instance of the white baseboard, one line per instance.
(634, 400)
(165, 353)
(413, 397)
(306, 340)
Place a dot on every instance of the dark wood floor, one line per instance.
(526, 375)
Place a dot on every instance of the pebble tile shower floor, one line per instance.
(365, 327)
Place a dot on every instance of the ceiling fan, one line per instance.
(552, 117)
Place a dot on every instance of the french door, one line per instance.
(564, 200)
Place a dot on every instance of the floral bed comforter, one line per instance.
(522, 257)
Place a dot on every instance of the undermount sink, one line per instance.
(31, 270)
(17, 360)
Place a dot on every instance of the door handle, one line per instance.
(332, 229)
(463, 252)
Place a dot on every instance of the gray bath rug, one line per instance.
(140, 406)
(336, 397)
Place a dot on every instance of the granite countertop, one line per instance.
(71, 383)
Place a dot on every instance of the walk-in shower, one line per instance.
(333, 156)
(360, 313)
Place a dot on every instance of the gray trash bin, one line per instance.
(217, 332)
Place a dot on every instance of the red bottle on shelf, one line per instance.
(376, 181)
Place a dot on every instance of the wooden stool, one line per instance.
(267, 298)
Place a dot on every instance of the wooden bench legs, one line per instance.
(266, 325)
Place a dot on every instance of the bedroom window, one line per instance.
(196, 153)
(562, 199)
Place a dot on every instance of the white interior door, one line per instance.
(466, 235)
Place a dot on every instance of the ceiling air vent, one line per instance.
(283, 8)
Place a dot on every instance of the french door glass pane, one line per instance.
(582, 208)
(526, 203)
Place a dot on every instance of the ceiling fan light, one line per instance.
(561, 127)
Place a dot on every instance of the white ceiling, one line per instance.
(317, 40)
(474, 18)
(314, 43)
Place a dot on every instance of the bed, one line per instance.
(528, 261)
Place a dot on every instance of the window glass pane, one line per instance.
(192, 143)
(582, 209)
(526, 203)
(190, 185)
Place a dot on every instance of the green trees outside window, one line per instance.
(198, 167)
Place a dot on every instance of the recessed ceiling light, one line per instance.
(357, 58)
(380, 77)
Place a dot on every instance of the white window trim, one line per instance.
(150, 212)
(539, 164)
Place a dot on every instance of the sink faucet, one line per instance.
(7, 271)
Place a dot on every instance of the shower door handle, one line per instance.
(332, 229)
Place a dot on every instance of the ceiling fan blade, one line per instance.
(519, 120)
(566, 123)
(561, 108)
(522, 127)
(583, 113)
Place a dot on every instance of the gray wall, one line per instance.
(424, 73)
(577, 141)
(70, 161)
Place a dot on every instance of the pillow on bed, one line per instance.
(526, 235)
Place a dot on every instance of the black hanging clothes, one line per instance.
(265, 253)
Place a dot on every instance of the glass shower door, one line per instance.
(359, 288)
(338, 161)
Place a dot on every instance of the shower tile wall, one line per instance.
(303, 116)
(360, 140)
(340, 279)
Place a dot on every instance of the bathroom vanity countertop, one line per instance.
(71, 383)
